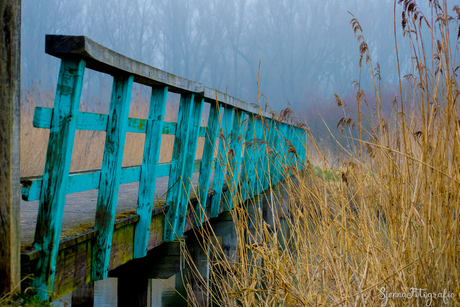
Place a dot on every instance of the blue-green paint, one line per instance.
(179, 155)
(233, 171)
(148, 178)
(194, 126)
(222, 161)
(89, 180)
(248, 161)
(117, 126)
(56, 172)
(206, 164)
(98, 122)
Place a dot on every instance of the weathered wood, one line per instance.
(221, 161)
(258, 159)
(83, 296)
(248, 161)
(57, 166)
(110, 174)
(198, 270)
(89, 180)
(233, 171)
(98, 122)
(149, 167)
(10, 91)
(210, 95)
(162, 262)
(276, 144)
(192, 143)
(206, 164)
(102, 59)
(177, 166)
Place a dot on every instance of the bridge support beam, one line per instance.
(83, 296)
(198, 270)
(10, 83)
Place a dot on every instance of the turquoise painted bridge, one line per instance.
(244, 153)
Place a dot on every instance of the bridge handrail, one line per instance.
(226, 120)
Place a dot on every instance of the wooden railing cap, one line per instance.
(105, 60)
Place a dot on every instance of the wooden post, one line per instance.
(10, 91)
(233, 171)
(179, 156)
(198, 273)
(149, 167)
(206, 163)
(83, 296)
(110, 174)
(221, 162)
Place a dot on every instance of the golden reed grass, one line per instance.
(382, 229)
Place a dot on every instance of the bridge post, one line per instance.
(198, 269)
(10, 83)
(83, 296)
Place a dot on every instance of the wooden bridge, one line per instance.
(236, 165)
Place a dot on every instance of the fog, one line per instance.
(307, 49)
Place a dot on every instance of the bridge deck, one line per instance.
(80, 208)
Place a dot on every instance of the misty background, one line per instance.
(307, 49)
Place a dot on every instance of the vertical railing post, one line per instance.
(248, 160)
(192, 143)
(10, 93)
(56, 173)
(276, 143)
(175, 187)
(206, 163)
(221, 164)
(283, 157)
(233, 171)
(152, 146)
(110, 174)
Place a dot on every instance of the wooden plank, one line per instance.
(177, 166)
(233, 171)
(98, 122)
(258, 163)
(102, 59)
(248, 160)
(192, 143)
(55, 176)
(110, 174)
(210, 95)
(83, 296)
(304, 147)
(271, 179)
(89, 180)
(221, 163)
(206, 164)
(150, 160)
(276, 145)
(10, 91)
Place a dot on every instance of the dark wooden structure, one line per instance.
(10, 82)
(61, 266)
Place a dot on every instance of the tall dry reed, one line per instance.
(385, 222)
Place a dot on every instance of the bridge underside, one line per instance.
(74, 258)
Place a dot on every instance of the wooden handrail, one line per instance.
(226, 121)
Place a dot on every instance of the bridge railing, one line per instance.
(233, 129)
